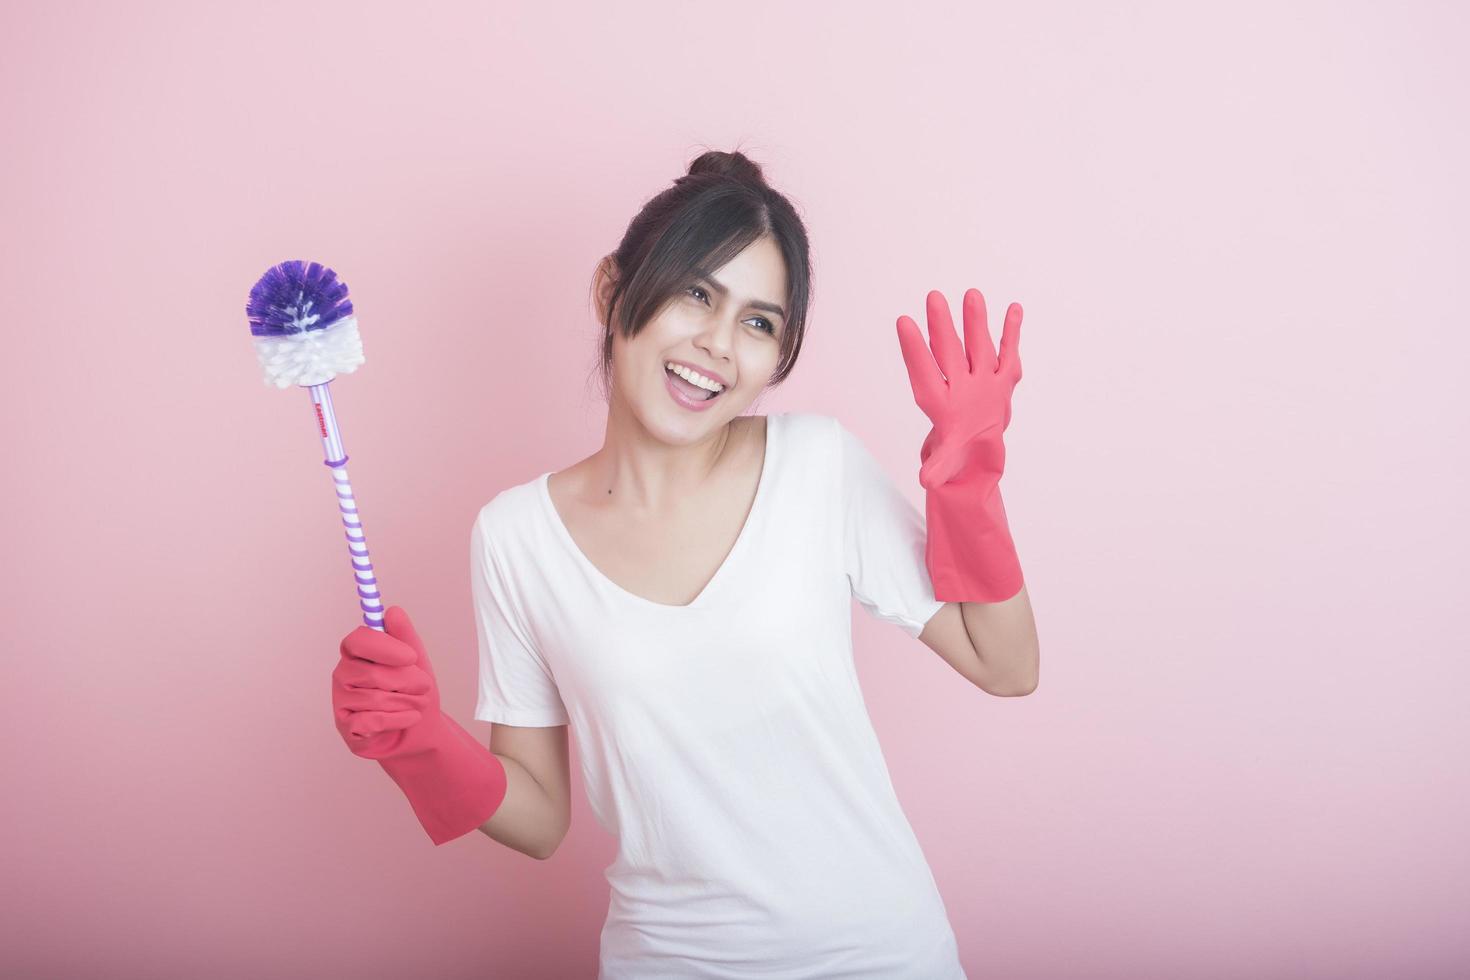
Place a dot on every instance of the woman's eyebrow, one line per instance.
(756, 304)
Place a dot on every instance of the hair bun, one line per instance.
(736, 165)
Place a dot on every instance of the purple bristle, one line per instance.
(293, 297)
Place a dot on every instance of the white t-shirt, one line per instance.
(725, 743)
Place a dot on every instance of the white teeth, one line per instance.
(694, 377)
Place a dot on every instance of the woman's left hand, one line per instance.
(970, 401)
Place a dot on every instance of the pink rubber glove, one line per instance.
(386, 704)
(969, 551)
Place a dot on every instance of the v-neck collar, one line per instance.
(756, 514)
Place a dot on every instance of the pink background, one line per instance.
(1237, 467)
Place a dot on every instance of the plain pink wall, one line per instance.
(1237, 468)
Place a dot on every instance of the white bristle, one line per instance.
(311, 357)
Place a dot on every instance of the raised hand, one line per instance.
(965, 391)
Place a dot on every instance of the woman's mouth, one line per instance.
(687, 393)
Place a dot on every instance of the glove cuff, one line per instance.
(968, 548)
(454, 786)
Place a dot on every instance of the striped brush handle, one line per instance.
(362, 566)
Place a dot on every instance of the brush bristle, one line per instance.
(296, 296)
(302, 325)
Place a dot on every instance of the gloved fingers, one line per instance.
(360, 726)
(352, 672)
(366, 643)
(397, 624)
(944, 461)
(929, 442)
(961, 454)
(372, 699)
(942, 339)
(1010, 344)
(978, 347)
(924, 376)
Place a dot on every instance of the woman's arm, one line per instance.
(536, 812)
(992, 645)
(966, 391)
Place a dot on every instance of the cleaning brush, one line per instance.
(305, 334)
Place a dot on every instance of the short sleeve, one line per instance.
(516, 686)
(883, 541)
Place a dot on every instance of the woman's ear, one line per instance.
(604, 281)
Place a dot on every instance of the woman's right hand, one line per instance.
(385, 700)
(386, 705)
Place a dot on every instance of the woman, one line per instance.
(682, 600)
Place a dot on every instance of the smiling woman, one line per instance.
(672, 249)
(680, 603)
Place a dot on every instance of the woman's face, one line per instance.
(726, 326)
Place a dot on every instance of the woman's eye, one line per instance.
(767, 325)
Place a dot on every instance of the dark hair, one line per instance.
(705, 219)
